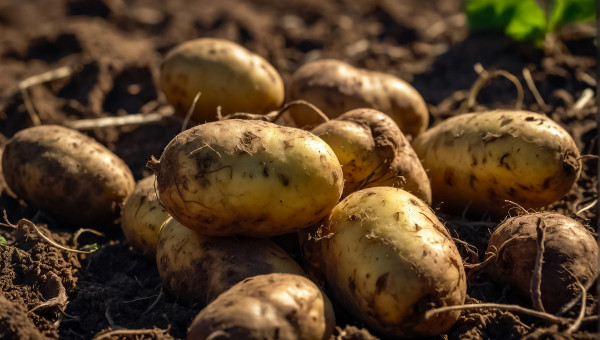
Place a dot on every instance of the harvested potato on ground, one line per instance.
(267, 307)
(225, 73)
(247, 177)
(480, 160)
(66, 173)
(373, 152)
(199, 268)
(388, 259)
(142, 216)
(337, 87)
(570, 256)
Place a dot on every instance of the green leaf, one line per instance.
(528, 22)
(2, 240)
(90, 247)
(569, 11)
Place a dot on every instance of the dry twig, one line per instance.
(536, 277)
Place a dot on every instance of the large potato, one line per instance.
(479, 160)
(388, 259)
(374, 152)
(225, 73)
(336, 87)
(199, 268)
(142, 217)
(267, 307)
(66, 173)
(247, 177)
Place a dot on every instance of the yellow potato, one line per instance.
(337, 87)
(225, 73)
(480, 160)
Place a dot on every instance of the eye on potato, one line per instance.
(479, 160)
(66, 173)
(267, 307)
(570, 256)
(199, 268)
(142, 216)
(225, 73)
(373, 152)
(388, 259)
(337, 87)
(247, 177)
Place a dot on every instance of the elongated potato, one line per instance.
(66, 173)
(267, 307)
(389, 259)
(247, 177)
(337, 87)
(479, 160)
(199, 268)
(373, 152)
(142, 217)
(225, 73)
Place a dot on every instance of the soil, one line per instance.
(114, 48)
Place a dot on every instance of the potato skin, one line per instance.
(389, 259)
(226, 74)
(337, 87)
(481, 159)
(66, 173)
(142, 216)
(570, 255)
(199, 268)
(247, 177)
(267, 307)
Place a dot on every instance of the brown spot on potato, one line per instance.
(283, 179)
(449, 177)
(472, 179)
(352, 283)
(502, 163)
(413, 201)
(381, 283)
(246, 141)
(265, 172)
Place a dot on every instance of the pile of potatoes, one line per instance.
(353, 190)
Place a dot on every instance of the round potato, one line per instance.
(247, 177)
(199, 268)
(267, 307)
(142, 216)
(388, 259)
(480, 160)
(337, 87)
(225, 73)
(66, 173)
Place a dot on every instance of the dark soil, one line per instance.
(115, 48)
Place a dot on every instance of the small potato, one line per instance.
(388, 259)
(66, 173)
(246, 177)
(142, 217)
(373, 152)
(267, 307)
(199, 268)
(480, 160)
(337, 87)
(225, 73)
(570, 256)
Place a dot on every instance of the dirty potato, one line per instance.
(225, 73)
(267, 307)
(373, 152)
(480, 160)
(142, 216)
(570, 256)
(337, 87)
(66, 173)
(388, 259)
(247, 177)
(199, 268)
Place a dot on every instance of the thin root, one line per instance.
(575, 326)
(190, 112)
(81, 231)
(129, 333)
(511, 308)
(536, 277)
(59, 300)
(484, 77)
(536, 94)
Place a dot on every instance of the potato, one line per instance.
(479, 160)
(336, 87)
(388, 259)
(247, 177)
(66, 173)
(225, 73)
(570, 256)
(373, 152)
(142, 217)
(267, 307)
(199, 268)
